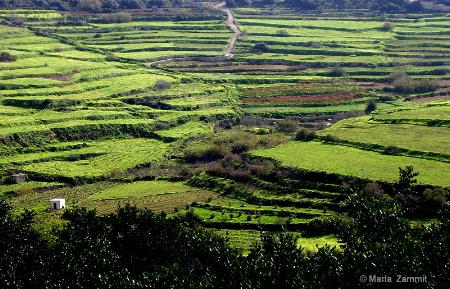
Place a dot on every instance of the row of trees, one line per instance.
(391, 6)
(135, 248)
(88, 5)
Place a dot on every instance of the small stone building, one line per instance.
(18, 178)
(57, 204)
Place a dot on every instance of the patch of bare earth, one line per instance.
(60, 77)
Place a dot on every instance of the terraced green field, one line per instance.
(106, 114)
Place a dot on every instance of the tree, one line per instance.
(22, 250)
(90, 5)
(110, 4)
(406, 180)
(371, 106)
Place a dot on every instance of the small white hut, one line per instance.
(57, 204)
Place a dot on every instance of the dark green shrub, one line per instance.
(371, 106)
(393, 150)
(321, 226)
(305, 135)
(435, 198)
(261, 47)
(330, 138)
(7, 57)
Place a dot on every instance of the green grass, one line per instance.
(26, 188)
(313, 243)
(141, 189)
(186, 130)
(114, 156)
(437, 111)
(353, 162)
(413, 137)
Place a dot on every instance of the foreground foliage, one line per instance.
(134, 248)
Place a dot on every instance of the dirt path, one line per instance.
(232, 24)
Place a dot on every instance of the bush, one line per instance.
(305, 135)
(371, 106)
(322, 226)
(208, 153)
(373, 190)
(119, 17)
(283, 33)
(336, 71)
(409, 85)
(6, 57)
(111, 57)
(261, 47)
(388, 26)
(395, 76)
(162, 84)
(330, 138)
(287, 125)
(393, 150)
(435, 198)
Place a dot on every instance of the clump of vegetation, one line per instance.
(395, 76)
(321, 226)
(373, 190)
(7, 57)
(305, 135)
(206, 153)
(371, 106)
(282, 33)
(119, 17)
(261, 47)
(407, 84)
(161, 84)
(336, 71)
(435, 198)
(388, 26)
(287, 125)
(330, 138)
(393, 150)
(441, 71)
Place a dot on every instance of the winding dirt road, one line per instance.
(232, 24)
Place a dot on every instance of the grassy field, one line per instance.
(105, 114)
(317, 156)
